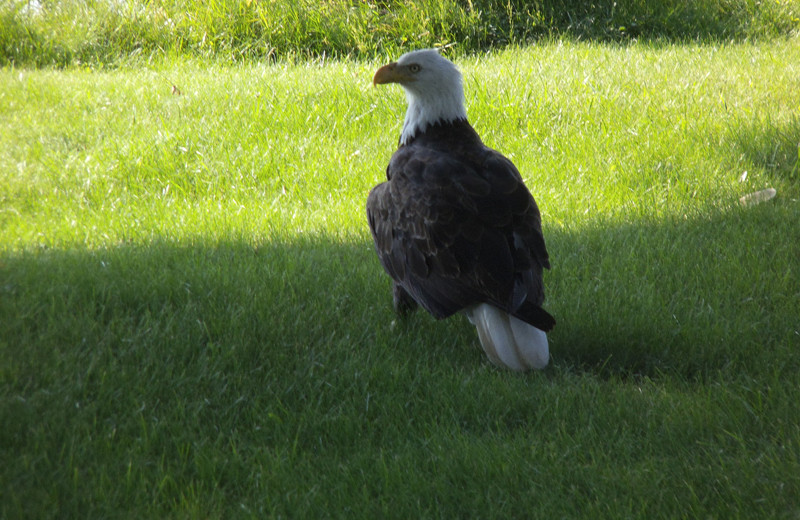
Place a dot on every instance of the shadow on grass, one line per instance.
(771, 145)
(614, 20)
(693, 296)
(281, 293)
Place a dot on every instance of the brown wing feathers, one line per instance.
(455, 226)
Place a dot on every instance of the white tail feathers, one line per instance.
(508, 341)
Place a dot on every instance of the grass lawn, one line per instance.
(193, 322)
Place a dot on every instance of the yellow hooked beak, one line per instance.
(392, 73)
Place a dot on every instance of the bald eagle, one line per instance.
(454, 225)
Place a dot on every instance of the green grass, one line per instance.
(193, 322)
(113, 33)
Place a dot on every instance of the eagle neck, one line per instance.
(426, 109)
(457, 133)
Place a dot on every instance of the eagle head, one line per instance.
(433, 87)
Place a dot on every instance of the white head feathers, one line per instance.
(433, 87)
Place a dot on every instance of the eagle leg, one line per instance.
(404, 304)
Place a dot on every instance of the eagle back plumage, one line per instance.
(454, 226)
